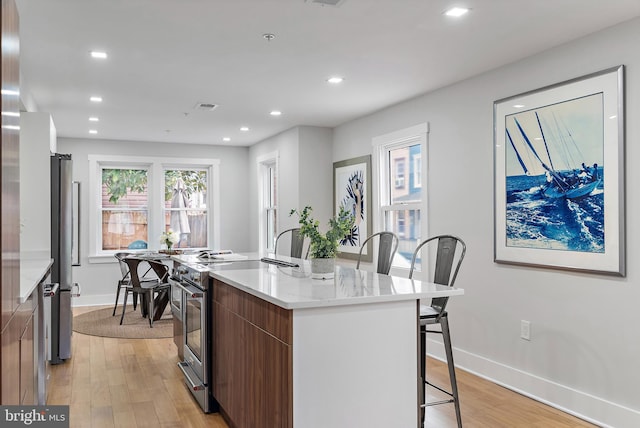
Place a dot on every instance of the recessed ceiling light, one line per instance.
(244, 128)
(96, 99)
(98, 55)
(226, 139)
(268, 36)
(456, 12)
(93, 131)
(11, 113)
(613, 117)
(94, 119)
(10, 92)
(335, 79)
(518, 106)
(275, 113)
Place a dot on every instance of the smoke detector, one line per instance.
(332, 3)
(205, 106)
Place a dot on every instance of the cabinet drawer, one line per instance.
(271, 318)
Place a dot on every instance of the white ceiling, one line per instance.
(167, 55)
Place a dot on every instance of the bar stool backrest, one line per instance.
(446, 256)
(297, 242)
(387, 247)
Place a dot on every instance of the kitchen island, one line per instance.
(291, 351)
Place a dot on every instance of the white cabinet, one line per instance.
(37, 140)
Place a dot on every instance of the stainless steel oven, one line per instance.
(196, 305)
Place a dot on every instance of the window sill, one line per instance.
(102, 258)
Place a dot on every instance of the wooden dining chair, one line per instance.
(449, 252)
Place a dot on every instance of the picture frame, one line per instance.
(352, 190)
(559, 175)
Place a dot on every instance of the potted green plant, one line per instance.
(324, 246)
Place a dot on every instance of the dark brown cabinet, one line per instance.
(10, 208)
(11, 363)
(27, 364)
(19, 355)
(252, 359)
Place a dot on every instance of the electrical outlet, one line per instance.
(525, 330)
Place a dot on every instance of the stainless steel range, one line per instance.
(196, 306)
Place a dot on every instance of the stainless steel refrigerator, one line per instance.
(61, 240)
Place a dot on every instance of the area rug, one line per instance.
(101, 323)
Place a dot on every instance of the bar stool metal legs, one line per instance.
(446, 338)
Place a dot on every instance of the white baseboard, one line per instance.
(95, 300)
(595, 410)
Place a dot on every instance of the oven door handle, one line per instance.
(188, 374)
(195, 294)
(50, 290)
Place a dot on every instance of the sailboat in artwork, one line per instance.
(576, 182)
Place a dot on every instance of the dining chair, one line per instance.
(387, 247)
(296, 245)
(450, 251)
(124, 281)
(147, 288)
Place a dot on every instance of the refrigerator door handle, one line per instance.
(50, 290)
(76, 287)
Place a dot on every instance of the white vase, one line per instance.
(323, 268)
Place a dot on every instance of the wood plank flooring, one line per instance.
(134, 383)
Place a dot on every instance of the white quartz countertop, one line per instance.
(194, 258)
(293, 288)
(32, 272)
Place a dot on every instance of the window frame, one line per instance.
(99, 218)
(166, 210)
(155, 185)
(382, 145)
(266, 186)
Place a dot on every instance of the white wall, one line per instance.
(316, 172)
(285, 145)
(98, 281)
(304, 168)
(584, 350)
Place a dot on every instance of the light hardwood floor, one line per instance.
(133, 383)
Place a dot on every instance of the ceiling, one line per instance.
(165, 56)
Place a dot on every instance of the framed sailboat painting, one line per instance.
(559, 175)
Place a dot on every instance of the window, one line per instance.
(400, 223)
(268, 174)
(401, 200)
(417, 169)
(185, 206)
(398, 171)
(133, 200)
(124, 205)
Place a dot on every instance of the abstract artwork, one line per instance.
(558, 174)
(351, 184)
